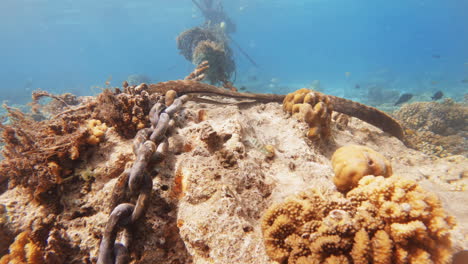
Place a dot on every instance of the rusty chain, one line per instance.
(149, 144)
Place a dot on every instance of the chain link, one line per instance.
(149, 144)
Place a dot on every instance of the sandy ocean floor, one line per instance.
(207, 203)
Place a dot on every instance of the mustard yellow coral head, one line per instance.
(352, 162)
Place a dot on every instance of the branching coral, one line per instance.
(351, 163)
(127, 111)
(313, 108)
(383, 220)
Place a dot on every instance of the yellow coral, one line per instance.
(350, 163)
(415, 220)
(23, 250)
(312, 107)
(382, 248)
(377, 222)
(170, 97)
(361, 250)
(97, 130)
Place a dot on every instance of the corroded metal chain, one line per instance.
(149, 144)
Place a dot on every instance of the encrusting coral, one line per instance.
(351, 163)
(313, 108)
(382, 220)
(97, 130)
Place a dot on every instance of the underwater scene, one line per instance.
(234, 131)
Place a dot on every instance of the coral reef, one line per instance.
(436, 128)
(313, 108)
(382, 220)
(213, 185)
(352, 162)
(445, 118)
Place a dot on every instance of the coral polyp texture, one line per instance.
(314, 108)
(436, 128)
(382, 220)
(351, 163)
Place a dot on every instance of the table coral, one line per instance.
(313, 108)
(382, 220)
(351, 163)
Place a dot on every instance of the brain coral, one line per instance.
(313, 108)
(383, 220)
(351, 163)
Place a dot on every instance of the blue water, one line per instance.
(75, 46)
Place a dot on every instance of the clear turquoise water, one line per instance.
(408, 46)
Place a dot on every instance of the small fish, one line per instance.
(242, 88)
(436, 56)
(434, 82)
(464, 81)
(357, 86)
(347, 74)
(437, 95)
(404, 98)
